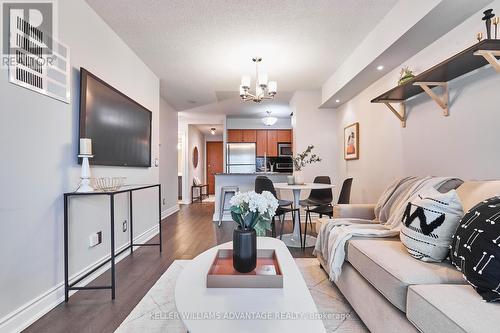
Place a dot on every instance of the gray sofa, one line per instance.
(393, 292)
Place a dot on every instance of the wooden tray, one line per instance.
(267, 274)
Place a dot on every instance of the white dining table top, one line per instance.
(305, 186)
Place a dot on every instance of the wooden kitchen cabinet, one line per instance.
(272, 143)
(249, 136)
(284, 136)
(261, 142)
(234, 135)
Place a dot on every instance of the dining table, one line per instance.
(294, 239)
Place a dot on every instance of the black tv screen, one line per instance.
(119, 127)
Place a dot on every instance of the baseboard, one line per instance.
(27, 314)
(169, 211)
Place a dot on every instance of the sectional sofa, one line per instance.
(393, 292)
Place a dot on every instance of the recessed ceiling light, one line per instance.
(379, 68)
(337, 101)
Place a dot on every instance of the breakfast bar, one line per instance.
(244, 182)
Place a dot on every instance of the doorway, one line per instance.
(215, 163)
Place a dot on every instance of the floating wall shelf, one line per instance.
(476, 56)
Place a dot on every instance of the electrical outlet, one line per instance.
(164, 201)
(95, 239)
(124, 225)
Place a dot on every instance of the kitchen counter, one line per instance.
(245, 182)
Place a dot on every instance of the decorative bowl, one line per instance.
(108, 184)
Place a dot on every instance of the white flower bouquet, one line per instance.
(251, 210)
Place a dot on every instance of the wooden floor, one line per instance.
(185, 235)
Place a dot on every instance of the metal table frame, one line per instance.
(72, 286)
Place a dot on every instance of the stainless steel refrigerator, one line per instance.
(241, 158)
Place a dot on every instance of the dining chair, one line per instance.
(344, 198)
(263, 183)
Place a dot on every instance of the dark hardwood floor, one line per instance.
(185, 235)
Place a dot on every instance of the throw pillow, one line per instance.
(429, 222)
(475, 249)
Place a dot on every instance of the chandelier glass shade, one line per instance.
(264, 89)
(269, 120)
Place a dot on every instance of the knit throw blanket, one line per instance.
(389, 212)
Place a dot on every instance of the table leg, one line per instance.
(112, 215)
(131, 226)
(294, 239)
(66, 269)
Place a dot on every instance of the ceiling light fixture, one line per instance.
(212, 131)
(337, 101)
(264, 89)
(269, 120)
(379, 68)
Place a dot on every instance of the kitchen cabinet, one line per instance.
(266, 140)
(272, 143)
(261, 142)
(238, 135)
(249, 136)
(234, 135)
(285, 136)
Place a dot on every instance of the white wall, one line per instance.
(465, 144)
(168, 157)
(195, 139)
(314, 126)
(39, 138)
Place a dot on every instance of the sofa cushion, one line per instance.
(451, 308)
(476, 248)
(386, 264)
(473, 192)
(429, 222)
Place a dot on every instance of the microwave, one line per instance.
(285, 150)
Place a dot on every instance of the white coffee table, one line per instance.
(193, 298)
(293, 239)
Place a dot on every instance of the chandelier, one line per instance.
(264, 89)
(269, 120)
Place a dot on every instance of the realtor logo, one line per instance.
(33, 22)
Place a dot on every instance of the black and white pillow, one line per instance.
(475, 249)
(429, 222)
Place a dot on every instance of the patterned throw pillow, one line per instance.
(475, 249)
(429, 222)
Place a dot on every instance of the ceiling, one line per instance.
(199, 49)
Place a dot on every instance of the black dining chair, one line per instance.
(344, 198)
(263, 183)
(318, 197)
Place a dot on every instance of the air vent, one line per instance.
(37, 66)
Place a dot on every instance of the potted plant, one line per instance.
(253, 213)
(300, 161)
(406, 75)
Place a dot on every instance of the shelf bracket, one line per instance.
(401, 114)
(490, 56)
(441, 101)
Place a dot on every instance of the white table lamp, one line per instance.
(85, 154)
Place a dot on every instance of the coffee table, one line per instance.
(292, 301)
(293, 239)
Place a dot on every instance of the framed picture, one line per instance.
(351, 142)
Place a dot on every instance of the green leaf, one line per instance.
(237, 218)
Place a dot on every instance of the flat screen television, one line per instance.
(120, 128)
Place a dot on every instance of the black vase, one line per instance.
(244, 250)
